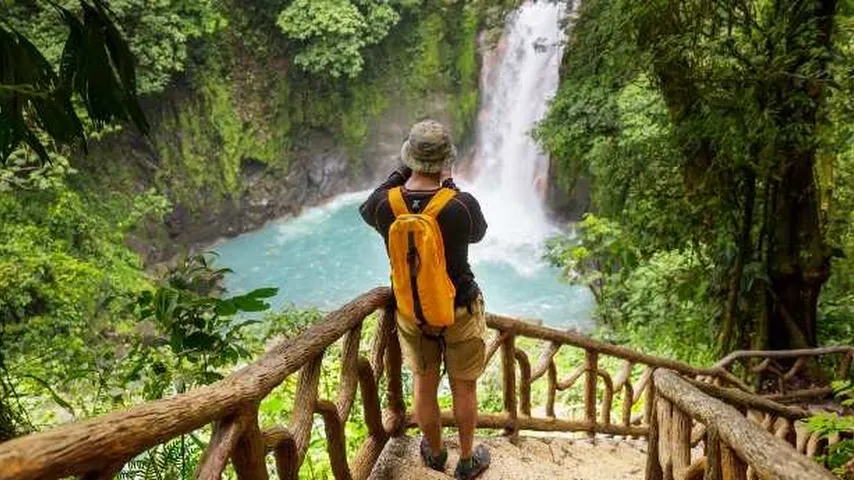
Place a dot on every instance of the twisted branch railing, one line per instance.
(99, 448)
(735, 448)
(784, 370)
(599, 389)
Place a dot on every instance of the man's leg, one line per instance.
(427, 407)
(465, 412)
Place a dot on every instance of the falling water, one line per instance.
(511, 169)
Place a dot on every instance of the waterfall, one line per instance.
(518, 79)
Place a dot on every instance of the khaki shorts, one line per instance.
(464, 347)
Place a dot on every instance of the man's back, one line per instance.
(461, 222)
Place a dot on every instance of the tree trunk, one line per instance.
(799, 258)
(799, 262)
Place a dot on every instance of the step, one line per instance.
(528, 457)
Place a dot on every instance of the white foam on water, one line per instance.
(309, 219)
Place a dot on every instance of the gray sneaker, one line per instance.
(436, 463)
(478, 463)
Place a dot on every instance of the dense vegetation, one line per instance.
(718, 140)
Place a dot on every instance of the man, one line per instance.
(427, 157)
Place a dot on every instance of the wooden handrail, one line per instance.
(511, 325)
(744, 400)
(779, 354)
(733, 443)
(784, 369)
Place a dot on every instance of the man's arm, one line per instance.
(396, 179)
(477, 226)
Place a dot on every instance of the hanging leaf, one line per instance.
(96, 64)
(226, 308)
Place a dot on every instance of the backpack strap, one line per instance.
(395, 199)
(438, 202)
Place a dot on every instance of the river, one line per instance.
(327, 255)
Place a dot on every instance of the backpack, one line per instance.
(419, 277)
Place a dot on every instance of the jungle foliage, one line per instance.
(718, 139)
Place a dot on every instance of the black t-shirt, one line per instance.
(461, 222)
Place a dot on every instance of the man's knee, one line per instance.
(461, 387)
(427, 382)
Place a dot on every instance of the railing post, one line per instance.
(591, 365)
(290, 455)
(395, 419)
(732, 467)
(653, 466)
(524, 383)
(285, 454)
(226, 434)
(336, 443)
(349, 375)
(713, 455)
(628, 395)
(552, 393)
(249, 454)
(680, 437)
(508, 362)
(845, 366)
(371, 448)
(665, 431)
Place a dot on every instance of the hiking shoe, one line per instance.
(477, 464)
(436, 463)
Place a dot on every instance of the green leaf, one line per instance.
(226, 308)
(249, 304)
(263, 292)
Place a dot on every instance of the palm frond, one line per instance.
(96, 64)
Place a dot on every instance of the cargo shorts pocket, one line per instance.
(465, 360)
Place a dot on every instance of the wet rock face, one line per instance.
(319, 168)
(317, 172)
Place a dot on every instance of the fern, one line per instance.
(176, 459)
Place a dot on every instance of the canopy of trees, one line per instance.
(718, 138)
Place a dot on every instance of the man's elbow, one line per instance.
(478, 235)
(364, 211)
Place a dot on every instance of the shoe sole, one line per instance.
(476, 474)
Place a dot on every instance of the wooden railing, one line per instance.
(100, 447)
(607, 400)
(783, 371)
(735, 448)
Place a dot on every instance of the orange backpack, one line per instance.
(419, 276)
